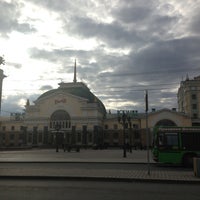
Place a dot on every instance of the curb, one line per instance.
(102, 179)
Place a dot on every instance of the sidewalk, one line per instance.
(90, 156)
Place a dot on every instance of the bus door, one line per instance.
(169, 148)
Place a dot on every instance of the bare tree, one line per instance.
(2, 61)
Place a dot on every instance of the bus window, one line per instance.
(171, 139)
(191, 141)
(161, 139)
(168, 140)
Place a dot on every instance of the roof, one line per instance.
(77, 89)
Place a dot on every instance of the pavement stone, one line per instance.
(105, 156)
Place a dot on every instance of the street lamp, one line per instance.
(57, 128)
(124, 120)
(130, 133)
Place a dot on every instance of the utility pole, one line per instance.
(147, 130)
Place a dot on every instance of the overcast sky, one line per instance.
(122, 47)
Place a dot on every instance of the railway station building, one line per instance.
(72, 114)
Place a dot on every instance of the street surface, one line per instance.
(86, 190)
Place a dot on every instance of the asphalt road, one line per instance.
(86, 190)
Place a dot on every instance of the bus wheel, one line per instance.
(188, 160)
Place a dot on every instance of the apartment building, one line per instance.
(189, 99)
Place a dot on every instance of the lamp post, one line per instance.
(130, 134)
(147, 131)
(57, 128)
(124, 119)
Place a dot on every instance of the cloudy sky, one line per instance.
(122, 47)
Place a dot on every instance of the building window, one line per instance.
(135, 126)
(61, 117)
(4, 136)
(116, 135)
(136, 134)
(21, 136)
(195, 116)
(30, 138)
(78, 137)
(115, 126)
(106, 136)
(193, 88)
(12, 128)
(4, 128)
(194, 106)
(40, 137)
(106, 126)
(194, 96)
(90, 137)
(12, 136)
(45, 130)
(63, 124)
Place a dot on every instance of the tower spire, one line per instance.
(75, 72)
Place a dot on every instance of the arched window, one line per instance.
(60, 115)
(165, 122)
(61, 118)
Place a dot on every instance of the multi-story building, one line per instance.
(189, 99)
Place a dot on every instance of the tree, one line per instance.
(2, 61)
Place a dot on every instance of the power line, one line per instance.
(145, 86)
(135, 90)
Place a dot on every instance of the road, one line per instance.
(86, 190)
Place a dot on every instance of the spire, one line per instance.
(27, 102)
(75, 72)
(187, 77)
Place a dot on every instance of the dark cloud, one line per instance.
(10, 104)
(113, 34)
(46, 87)
(134, 25)
(158, 68)
(162, 58)
(194, 25)
(103, 60)
(172, 57)
(134, 11)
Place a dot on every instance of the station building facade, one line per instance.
(72, 114)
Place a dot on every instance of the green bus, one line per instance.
(176, 145)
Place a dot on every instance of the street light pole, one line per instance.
(130, 134)
(57, 128)
(124, 140)
(147, 131)
(124, 120)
